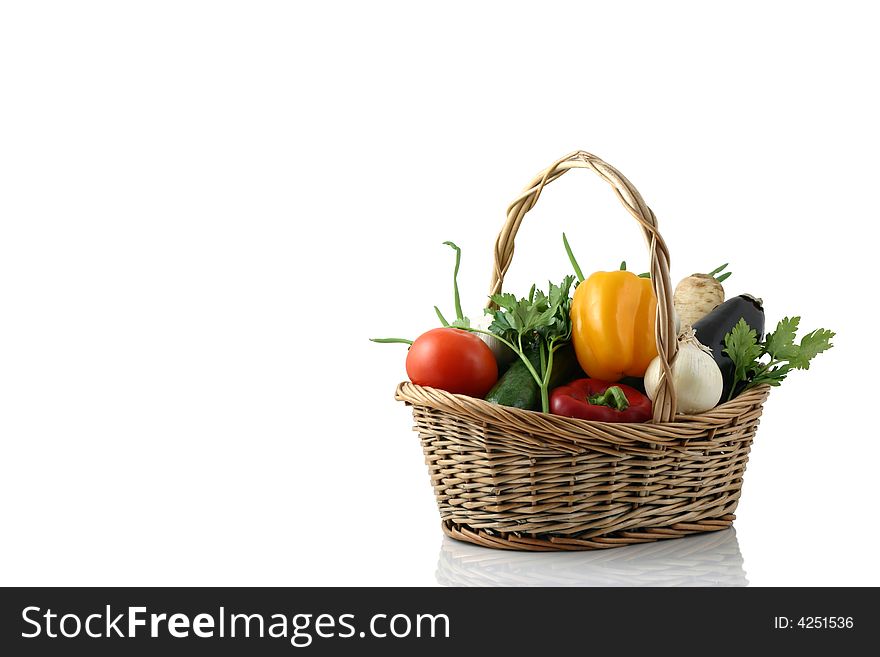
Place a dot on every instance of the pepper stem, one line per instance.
(612, 397)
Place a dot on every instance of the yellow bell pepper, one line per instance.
(613, 315)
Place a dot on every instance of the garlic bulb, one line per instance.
(695, 376)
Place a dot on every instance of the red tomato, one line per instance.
(453, 360)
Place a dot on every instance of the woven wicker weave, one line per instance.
(515, 479)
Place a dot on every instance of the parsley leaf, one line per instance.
(537, 320)
(773, 376)
(742, 345)
(780, 343)
(812, 344)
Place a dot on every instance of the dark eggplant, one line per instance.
(712, 328)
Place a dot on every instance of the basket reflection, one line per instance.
(711, 559)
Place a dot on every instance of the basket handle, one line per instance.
(628, 195)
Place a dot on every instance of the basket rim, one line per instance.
(683, 428)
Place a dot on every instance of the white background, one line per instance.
(208, 207)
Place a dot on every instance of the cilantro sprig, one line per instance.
(770, 361)
(538, 321)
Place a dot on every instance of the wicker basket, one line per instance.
(523, 480)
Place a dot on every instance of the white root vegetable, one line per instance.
(697, 295)
(695, 376)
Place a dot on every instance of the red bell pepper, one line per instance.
(591, 399)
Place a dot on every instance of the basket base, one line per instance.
(502, 541)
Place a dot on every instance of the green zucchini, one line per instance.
(518, 388)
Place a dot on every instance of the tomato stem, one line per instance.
(391, 340)
(458, 313)
(441, 317)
